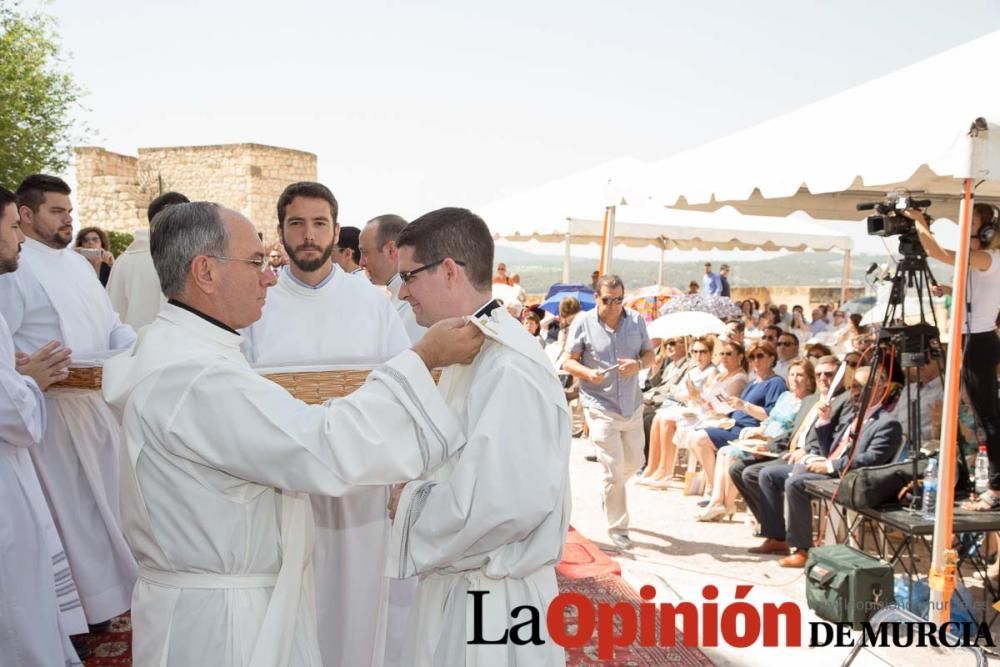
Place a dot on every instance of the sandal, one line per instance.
(986, 502)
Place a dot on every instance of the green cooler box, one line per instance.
(844, 585)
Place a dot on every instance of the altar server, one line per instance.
(55, 295)
(485, 529)
(218, 456)
(380, 257)
(318, 314)
(35, 619)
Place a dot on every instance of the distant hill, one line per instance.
(814, 269)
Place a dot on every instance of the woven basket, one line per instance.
(82, 378)
(319, 386)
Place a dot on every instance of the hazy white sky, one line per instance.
(411, 106)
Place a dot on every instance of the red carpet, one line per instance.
(584, 569)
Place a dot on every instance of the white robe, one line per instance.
(35, 620)
(134, 287)
(494, 517)
(224, 554)
(55, 295)
(346, 321)
(404, 310)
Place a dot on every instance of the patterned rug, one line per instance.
(112, 648)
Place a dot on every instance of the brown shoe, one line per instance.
(796, 560)
(771, 546)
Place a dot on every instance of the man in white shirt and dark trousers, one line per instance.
(608, 347)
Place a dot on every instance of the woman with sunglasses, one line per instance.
(701, 372)
(801, 383)
(750, 409)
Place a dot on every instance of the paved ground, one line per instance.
(679, 556)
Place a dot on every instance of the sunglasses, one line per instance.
(699, 351)
(670, 343)
(608, 300)
(755, 357)
(825, 374)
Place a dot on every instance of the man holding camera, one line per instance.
(979, 337)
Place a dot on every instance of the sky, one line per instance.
(410, 106)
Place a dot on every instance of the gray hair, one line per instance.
(611, 281)
(180, 233)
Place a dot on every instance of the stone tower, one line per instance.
(114, 190)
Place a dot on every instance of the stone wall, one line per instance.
(244, 177)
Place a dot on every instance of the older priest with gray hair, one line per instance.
(219, 458)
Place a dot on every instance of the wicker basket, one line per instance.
(317, 386)
(82, 378)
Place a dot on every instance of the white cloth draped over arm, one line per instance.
(491, 500)
(22, 405)
(261, 434)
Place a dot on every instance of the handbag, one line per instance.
(873, 486)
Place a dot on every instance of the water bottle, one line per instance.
(982, 470)
(930, 490)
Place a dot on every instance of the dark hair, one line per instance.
(452, 232)
(388, 227)
(766, 348)
(6, 198)
(308, 190)
(348, 240)
(789, 333)
(740, 350)
(611, 281)
(96, 230)
(776, 328)
(32, 190)
(163, 201)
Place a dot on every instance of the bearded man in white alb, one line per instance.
(56, 296)
(219, 458)
(133, 286)
(319, 314)
(380, 257)
(35, 620)
(485, 529)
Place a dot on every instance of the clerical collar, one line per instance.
(207, 318)
(322, 283)
(490, 306)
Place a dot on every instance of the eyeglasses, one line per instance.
(608, 300)
(699, 351)
(407, 276)
(261, 262)
(785, 343)
(755, 357)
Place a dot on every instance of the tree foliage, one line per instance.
(37, 96)
(119, 241)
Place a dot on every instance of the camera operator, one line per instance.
(982, 347)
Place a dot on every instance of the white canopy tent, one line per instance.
(904, 130)
(926, 129)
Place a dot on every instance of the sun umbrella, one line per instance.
(719, 306)
(586, 300)
(690, 323)
(648, 301)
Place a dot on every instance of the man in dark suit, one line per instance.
(881, 436)
(801, 437)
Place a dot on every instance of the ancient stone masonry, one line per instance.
(114, 190)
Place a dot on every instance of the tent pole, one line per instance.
(610, 241)
(845, 289)
(943, 558)
(659, 275)
(565, 276)
(604, 238)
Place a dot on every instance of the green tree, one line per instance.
(37, 96)
(119, 241)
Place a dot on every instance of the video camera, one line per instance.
(890, 221)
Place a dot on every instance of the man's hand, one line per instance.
(451, 341)
(823, 410)
(794, 457)
(394, 495)
(818, 466)
(47, 365)
(628, 367)
(594, 377)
